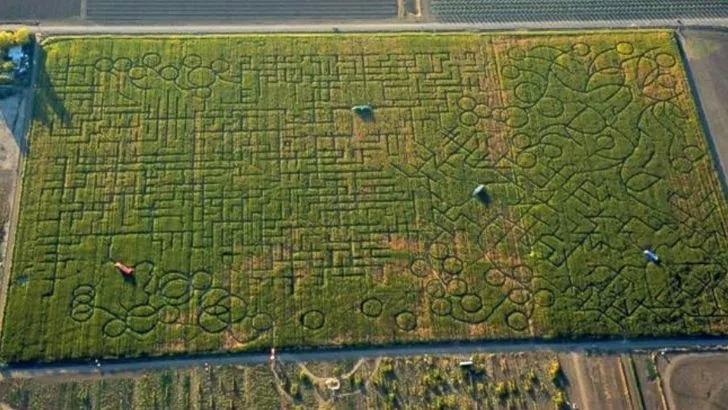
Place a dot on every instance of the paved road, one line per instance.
(137, 365)
(81, 28)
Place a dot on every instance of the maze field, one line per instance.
(258, 210)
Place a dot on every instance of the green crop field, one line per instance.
(258, 210)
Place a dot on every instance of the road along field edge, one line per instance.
(115, 366)
(8, 247)
(720, 164)
(80, 28)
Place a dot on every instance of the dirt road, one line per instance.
(88, 28)
(134, 365)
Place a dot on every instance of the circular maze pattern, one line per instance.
(406, 321)
(457, 287)
(262, 322)
(471, 303)
(420, 268)
(517, 321)
(441, 306)
(372, 307)
(114, 328)
(219, 310)
(313, 319)
(82, 303)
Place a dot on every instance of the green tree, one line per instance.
(555, 372)
(6, 39)
(501, 390)
(22, 36)
(6, 66)
(559, 400)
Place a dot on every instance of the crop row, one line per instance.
(470, 11)
(215, 10)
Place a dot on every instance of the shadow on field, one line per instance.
(48, 104)
(130, 280)
(367, 117)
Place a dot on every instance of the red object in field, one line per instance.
(124, 269)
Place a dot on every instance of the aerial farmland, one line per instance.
(256, 209)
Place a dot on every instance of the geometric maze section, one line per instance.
(258, 210)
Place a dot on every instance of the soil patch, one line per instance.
(596, 382)
(707, 53)
(697, 381)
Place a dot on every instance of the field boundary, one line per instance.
(333, 27)
(113, 366)
(698, 101)
(12, 223)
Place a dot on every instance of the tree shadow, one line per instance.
(48, 105)
(561, 381)
(21, 140)
(10, 112)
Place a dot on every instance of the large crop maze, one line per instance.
(258, 210)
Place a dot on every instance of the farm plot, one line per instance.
(473, 11)
(258, 210)
(115, 11)
(492, 381)
(34, 10)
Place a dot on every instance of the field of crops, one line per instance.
(236, 10)
(258, 210)
(25, 10)
(471, 11)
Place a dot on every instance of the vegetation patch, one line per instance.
(489, 381)
(258, 210)
(15, 53)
